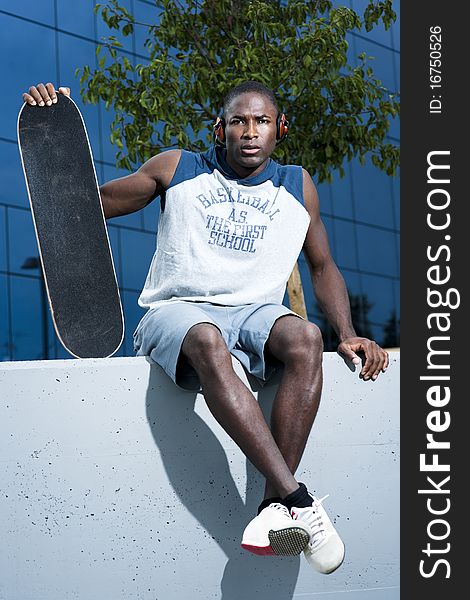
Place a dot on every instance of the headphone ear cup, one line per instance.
(282, 127)
(219, 131)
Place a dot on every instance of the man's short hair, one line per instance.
(250, 86)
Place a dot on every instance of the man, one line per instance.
(232, 225)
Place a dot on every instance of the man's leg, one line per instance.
(298, 345)
(234, 406)
(273, 531)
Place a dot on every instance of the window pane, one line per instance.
(38, 11)
(346, 252)
(377, 251)
(372, 195)
(396, 199)
(379, 292)
(77, 17)
(3, 241)
(137, 251)
(342, 195)
(13, 189)
(353, 282)
(396, 27)
(26, 318)
(31, 46)
(5, 353)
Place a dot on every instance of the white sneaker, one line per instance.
(274, 531)
(325, 551)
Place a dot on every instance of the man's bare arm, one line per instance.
(131, 193)
(331, 292)
(328, 283)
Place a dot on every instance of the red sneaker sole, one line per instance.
(259, 550)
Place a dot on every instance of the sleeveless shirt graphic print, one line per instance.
(226, 240)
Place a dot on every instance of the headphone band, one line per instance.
(282, 128)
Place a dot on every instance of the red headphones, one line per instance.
(282, 128)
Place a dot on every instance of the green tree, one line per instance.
(199, 49)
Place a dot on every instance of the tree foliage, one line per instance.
(199, 49)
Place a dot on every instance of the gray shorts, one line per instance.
(245, 329)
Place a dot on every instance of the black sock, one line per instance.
(299, 498)
(267, 501)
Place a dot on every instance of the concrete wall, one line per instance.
(117, 485)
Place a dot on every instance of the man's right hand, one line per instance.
(44, 95)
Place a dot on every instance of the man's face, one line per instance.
(250, 133)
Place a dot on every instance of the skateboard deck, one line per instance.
(70, 229)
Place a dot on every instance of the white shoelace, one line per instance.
(280, 507)
(315, 522)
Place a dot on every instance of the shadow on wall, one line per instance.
(207, 489)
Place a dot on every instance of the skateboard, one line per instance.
(70, 229)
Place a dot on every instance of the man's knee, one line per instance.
(303, 345)
(204, 346)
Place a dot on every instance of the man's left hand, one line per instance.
(375, 358)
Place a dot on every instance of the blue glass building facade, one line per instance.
(47, 41)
